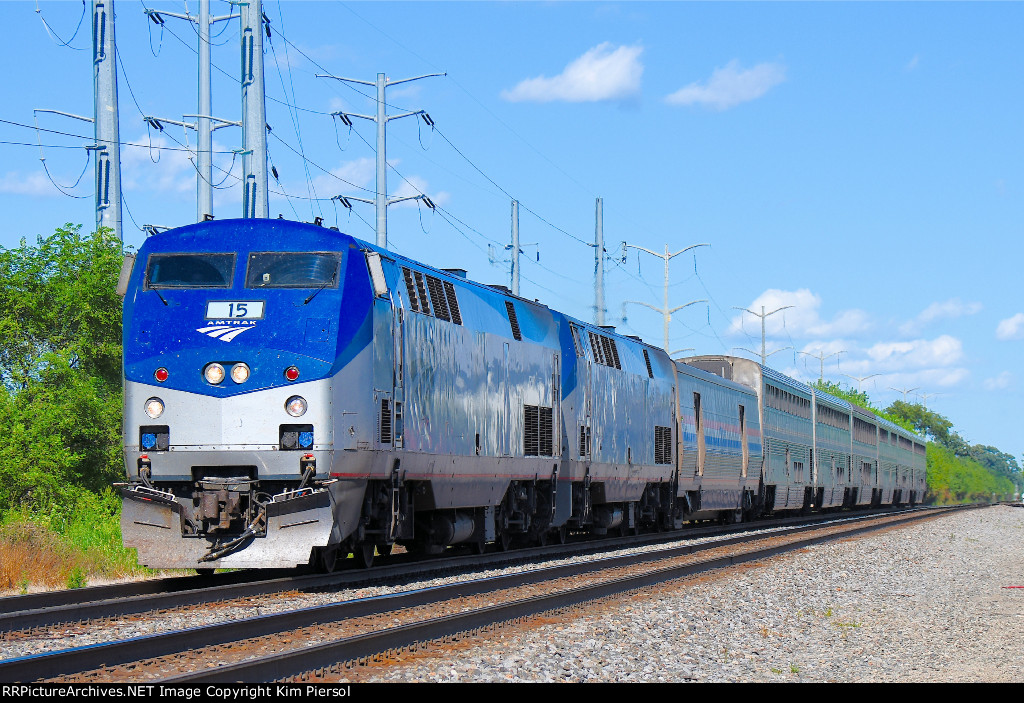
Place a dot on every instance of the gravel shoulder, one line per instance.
(924, 603)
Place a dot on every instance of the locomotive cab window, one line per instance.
(190, 271)
(291, 270)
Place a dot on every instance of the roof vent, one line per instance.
(460, 273)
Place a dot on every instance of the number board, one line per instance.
(234, 310)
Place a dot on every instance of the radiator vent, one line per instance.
(647, 358)
(453, 302)
(513, 320)
(606, 351)
(437, 297)
(385, 421)
(584, 441)
(662, 445)
(537, 431)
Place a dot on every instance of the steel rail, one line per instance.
(295, 662)
(75, 660)
(77, 605)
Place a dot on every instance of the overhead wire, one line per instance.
(53, 34)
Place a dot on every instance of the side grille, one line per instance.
(422, 290)
(385, 421)
(647, 358)
(453, 302)
(662, 445)
(513, 320)
(537, 431)
(410, 286)
(437, 297)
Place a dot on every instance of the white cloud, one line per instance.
(948, 309)
(1003, 380)
(919, 353)
(154, 163)
(1011, 327)
(32, 184)
(347, 178)
(730, 86)
(802, 319)
(602, 73)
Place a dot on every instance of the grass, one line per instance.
(69, 550)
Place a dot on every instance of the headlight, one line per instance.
(214, 373)
(296, 406)
(240, 373)
(154, 407)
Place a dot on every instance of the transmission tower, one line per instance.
(821, 356)
(763, 315)
(665, 311)
(381, 200)
(205, 123)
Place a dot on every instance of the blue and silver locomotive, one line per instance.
(295, 395)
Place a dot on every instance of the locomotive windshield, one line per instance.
(190, 270)
(293, 270)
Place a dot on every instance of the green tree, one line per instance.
(60, 368)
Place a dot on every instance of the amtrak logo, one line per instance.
(224, 333)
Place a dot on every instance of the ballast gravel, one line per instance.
(942, 600)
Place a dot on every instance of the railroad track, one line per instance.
(287, 644)
(41, 610)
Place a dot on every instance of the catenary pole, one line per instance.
(764, 315)
(515, 247)
(254, 114)
(599, 262)
(666, 311)
(381, 201)
(108, 141)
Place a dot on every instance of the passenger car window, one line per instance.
(293, 270)
(190, 270)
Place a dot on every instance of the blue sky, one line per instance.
(861, 162)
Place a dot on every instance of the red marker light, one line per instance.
(161, 374)
(291, 373)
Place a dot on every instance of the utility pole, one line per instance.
(515, 247)
(381, 200)
(599, 263)
(926, 396)
(764, 356)
(108, 140)
(860, 379)
(821, 356)
(204, 125)
(665, 311)
(763, 315)
(254, 114)
(904, 391)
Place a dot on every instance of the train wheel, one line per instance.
(561, 534)
(504, 541)
(327, 559)
(363, 554)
